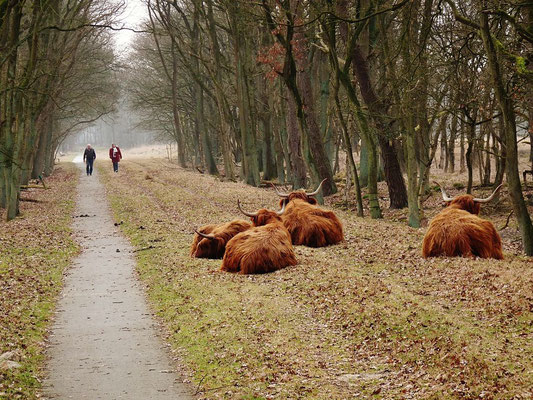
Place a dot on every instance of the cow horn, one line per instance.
(244, 212)
(317, 189)
(280, 212)
(445, 196)
(490, 197)
(204, 235)
(284, 195)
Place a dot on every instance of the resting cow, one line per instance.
(210, 240)
(308, 224)
(458, 231)
(264, 248)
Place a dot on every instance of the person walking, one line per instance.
(115, 155)
(89, 155)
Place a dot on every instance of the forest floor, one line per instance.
(35, 250)
(368, 318)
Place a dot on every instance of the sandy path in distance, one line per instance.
(103, 343)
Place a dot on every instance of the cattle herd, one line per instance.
(266, 244)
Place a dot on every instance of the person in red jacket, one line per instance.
(115, 155)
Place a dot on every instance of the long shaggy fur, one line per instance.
(214, 248)
(264, 248)
(308, 224)
(458, 231)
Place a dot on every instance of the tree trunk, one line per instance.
(462, 157)
(270, 170)
(295, 149)
(349, 154)
(471, 137)
(505, 103)
(451, 144)
(250, 160)
(380, 113)
(223, 114)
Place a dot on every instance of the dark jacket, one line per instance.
(89, 154)
(117, 156)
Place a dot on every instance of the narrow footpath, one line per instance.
(103, 343)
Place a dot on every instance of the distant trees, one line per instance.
(55, 74)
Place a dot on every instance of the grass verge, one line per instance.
(368, 318)
(35, 250)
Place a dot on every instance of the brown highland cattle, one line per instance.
(264, 248)
(458, 231)
(210, 240)
(308, 224)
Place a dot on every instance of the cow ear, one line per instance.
(476, 208)
(311, 200)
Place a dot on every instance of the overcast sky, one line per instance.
(134, 13)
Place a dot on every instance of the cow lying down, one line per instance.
(458, 231)
(308, 224)
(264, 248)
(210, 240)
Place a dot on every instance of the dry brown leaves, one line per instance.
(35, 248)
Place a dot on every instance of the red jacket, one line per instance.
(118, 154)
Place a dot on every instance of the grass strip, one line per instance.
(35, 250)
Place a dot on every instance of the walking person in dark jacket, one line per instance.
(89, 155)
(115, 155)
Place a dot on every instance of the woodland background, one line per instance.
(281, 90)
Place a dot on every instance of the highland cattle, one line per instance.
(264, 248)
(210, 240)
(458, 231)
(307, 223)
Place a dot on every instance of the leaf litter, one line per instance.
(368, 318)
(35, 250)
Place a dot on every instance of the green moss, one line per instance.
(521, 65)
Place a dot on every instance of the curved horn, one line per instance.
(244, 212)
(490, 197)
(204, 235)
(445, 196)
(282, 209)
(317, 189)
(284, 195)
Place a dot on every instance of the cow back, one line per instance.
(456, 232)
(309, 225)
(259, 250)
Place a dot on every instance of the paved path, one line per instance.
(104, 343)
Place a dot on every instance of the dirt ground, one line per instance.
(103, 343)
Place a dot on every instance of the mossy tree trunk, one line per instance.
(506, 105)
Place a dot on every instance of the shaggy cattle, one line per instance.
(264, 248)
(308, 224)
(210, 240)
(458, 231)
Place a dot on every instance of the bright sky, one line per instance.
(134, 13)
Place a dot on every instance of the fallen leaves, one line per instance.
(35, 250)
(370, 310)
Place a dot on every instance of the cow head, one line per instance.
(209, 246)
(263, 216)
(300, 194)
(466, 202)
